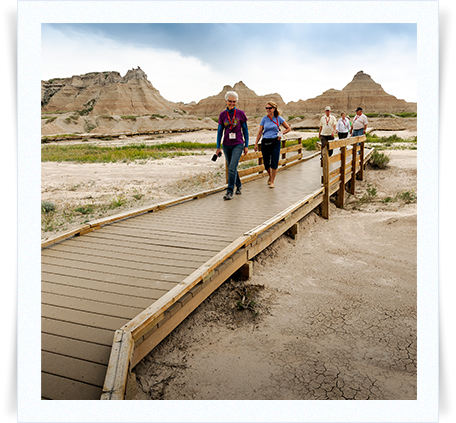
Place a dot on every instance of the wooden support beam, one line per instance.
(294, 231)
(353, 175)
(343, 164)
(325, 203)
(246, 270)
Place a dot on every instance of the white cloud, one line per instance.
(178, 78)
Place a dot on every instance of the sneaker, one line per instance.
(228, 196)
(238, 191)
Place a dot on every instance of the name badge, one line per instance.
(280, 134)
(232, 136)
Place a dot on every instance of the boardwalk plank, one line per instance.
(59, 388)
(77, 331)
(143, 250)
(124, 266)
(145, 244)
(135, 292)
(155, 280)
(94, 295)
(131, 256)
(90, 306)
(82, 350)
(164, 274)
(73, 368)
(82, 317)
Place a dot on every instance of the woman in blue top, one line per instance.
(272, 134)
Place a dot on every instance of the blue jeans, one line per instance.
(358, 132)
(232, 155)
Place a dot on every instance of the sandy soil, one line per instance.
(336, 312)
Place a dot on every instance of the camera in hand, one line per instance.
(216, 156)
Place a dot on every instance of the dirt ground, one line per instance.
(334, 314)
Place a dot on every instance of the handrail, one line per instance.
(259, 155)
(348, 146)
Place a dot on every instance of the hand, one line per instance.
(246, 150)
(256, 147)
(218, 151)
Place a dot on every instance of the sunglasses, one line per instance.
(269, 108)
(231, 101)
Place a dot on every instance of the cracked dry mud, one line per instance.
(336, 312)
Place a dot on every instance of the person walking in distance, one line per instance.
(343, 126)
(232, 127)
(359, 123)
(327, 129)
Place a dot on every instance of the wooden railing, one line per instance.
(259, 168)
(351, 168)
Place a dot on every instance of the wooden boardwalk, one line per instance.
(94, 284)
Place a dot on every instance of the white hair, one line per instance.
(231, 94)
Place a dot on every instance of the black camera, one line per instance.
(216, 156)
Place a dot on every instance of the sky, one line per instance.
(189, 62)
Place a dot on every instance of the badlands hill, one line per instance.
(251, 103)
(108, 93)
(107, 103)
(362, 91)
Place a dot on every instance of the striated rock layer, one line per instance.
(362, 91)
(106, 93)
(251, 103)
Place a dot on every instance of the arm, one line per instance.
(260, 132)
(245, 131)
(219, 138)
(287, 128)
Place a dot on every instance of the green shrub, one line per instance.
(47, 207)
(379, 160)
(407, 196)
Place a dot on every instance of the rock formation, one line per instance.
(251, 103)
(105, 93)
(361, 91)
(104, 101)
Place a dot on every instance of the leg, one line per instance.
(275, 156)
(266, 151)
(233, 154)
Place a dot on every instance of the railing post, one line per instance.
(353, 172)
(325, 203)
(283, 145)
(343, 164)
(260, 159)
(361, 162)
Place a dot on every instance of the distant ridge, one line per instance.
(108, 93)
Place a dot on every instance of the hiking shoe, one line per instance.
(238, 191)
(228, 196)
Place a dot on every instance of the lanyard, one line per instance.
(277, 123)
(229, 120)
(327, 120)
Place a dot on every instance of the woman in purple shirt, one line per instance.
(233, 128)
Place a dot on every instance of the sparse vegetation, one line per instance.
(407, 196)
(379, 160)
(310, 143)
(87, 153)
(47, 207)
